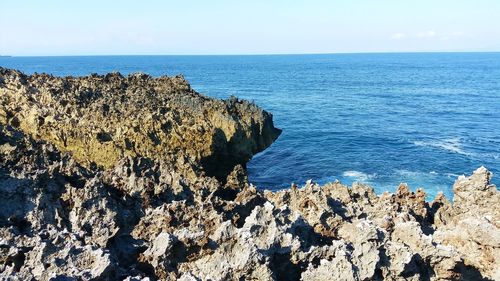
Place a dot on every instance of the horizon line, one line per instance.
(249, 54)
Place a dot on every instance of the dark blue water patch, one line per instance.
(382, 119)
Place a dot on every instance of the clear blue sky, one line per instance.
(99, 27)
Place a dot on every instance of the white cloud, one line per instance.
(452, 35)
(427, 34)
(398, 35)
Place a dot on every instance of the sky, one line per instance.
(206, 27)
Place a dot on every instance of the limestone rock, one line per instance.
(474, 229)
(100, 119)
(152, 210)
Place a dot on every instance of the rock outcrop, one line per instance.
(101, 119)
(156, 211)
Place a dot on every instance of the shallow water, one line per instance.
(381, 119)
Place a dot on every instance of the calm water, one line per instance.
(381, 119)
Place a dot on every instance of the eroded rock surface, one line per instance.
(101, 119)
(158, 215)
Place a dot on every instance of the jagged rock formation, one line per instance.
(160, 215)
(101, 119)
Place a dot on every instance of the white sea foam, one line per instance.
(455, 146)
(452, 175)
(452, 145)
(410, 174)
(416, 175)
(358, 176)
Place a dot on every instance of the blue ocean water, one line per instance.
(381, 119)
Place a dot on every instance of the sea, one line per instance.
(379, 119)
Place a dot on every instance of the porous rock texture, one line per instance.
(101, 119)
(159, 215)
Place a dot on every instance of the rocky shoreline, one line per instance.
(111, 177)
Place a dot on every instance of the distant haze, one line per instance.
(246, 27)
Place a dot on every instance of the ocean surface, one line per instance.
(380, 119)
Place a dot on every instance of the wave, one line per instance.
(452, 175)
(455, 145)
(358, 176)
(416, 174)
(452, 145)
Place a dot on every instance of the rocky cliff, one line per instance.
(94, 185)
(101, 119)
